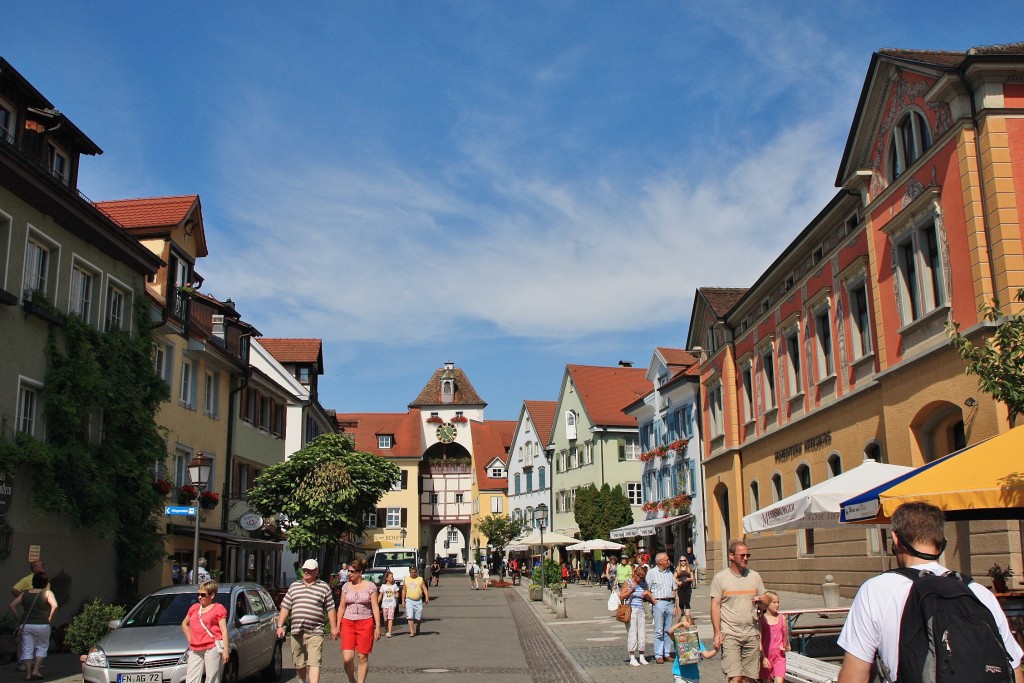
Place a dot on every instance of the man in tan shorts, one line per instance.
(735, 593)
(307, 601)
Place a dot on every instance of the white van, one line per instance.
(398, 560)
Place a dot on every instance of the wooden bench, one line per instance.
(813, 624)
(801, 669)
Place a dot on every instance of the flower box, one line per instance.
(162, 486)
(434, 420)
(186, 494)
(209, 499)
(460, 419)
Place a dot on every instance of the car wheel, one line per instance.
(230, 673)
(273, 670)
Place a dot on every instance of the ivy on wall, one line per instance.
(95, 467)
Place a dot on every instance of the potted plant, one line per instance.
(162, 486)
(209, 499)
(186, 494)
(999, 577)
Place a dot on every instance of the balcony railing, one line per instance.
(433, 467)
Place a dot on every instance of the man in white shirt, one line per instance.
(873, 626)
(204, 575)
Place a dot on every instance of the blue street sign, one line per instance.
(179, 510)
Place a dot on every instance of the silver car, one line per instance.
(148, 645)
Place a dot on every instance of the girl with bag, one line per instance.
(206, 628)
(633, 595)
(34, 641)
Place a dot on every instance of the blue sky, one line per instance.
(512, 186)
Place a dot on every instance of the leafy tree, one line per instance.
(500, 530)
(999, 361)
(618, 511)
(588, 512)
(324, 489)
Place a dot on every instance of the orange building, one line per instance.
(838, 352)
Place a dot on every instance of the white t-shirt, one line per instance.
(874, 621)
(389, 591)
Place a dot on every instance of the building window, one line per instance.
(496, 505)
(777, 487)
(747, 379)
(29, 408)
(433, 498)
(823, 337)
(635, 493)
(40, 255)
(6, 122)
(835, 465)
(182, 457)
(806, 540)
(631, 449)
(116, 297)
(394, 519)
(873, 452)
(187, 388)
(529, 482)
(82, 284)
(755, 497)
(715, 404)
(302, 374)
(211, 394)
(910, 139)
(60, 164)
(859, 319)
(541, 484)
(460, 497)
(497, 472)
(516, 481)
(768, 377)
(163, 363)
(588, 453)
(570, 425)
(385, 441)
(793, 361)
(920, 273)
(370, 520)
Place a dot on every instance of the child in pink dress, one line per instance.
(774, 641)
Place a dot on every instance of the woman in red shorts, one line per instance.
(359, 617)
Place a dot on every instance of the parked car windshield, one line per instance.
(165, 609)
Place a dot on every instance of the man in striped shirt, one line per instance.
(661, 581)
(307, 601)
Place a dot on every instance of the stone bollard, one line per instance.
(560, 612)
(830, 592)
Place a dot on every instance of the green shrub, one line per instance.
(552, 574)
(90, 625)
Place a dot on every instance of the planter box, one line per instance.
(535, 593)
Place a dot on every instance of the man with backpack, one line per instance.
(922, 622)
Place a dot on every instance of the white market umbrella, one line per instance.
(550, 538)
(818, 507)
(596, 544)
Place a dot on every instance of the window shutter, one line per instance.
(622, 450)
(405, 516)
(382, 516)
(405, 479)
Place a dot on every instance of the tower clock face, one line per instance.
(447, 432)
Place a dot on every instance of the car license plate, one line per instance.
(139, 678)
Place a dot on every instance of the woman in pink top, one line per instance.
(359, 617)
(206, 627)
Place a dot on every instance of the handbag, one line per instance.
(623, 612)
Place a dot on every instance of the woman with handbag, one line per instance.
(38, 606)
(206, 627)
(631, 612)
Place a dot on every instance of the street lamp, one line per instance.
(199, 474)
(402, 534)
(541, 515)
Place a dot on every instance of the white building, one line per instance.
(529, 461)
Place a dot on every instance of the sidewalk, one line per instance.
(598, 643)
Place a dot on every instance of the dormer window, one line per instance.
(302, 374)
(910, 139)
(497, 472)
(385, 441)
(570, 425)
(60, 164)
(447, 390)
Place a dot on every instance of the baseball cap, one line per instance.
(310, 564)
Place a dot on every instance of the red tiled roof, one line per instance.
(543, 415)
(606, 391)
(490, 442)
(465, 394)
(149, 212)
(365, 427)
(676, 357)
(295, 350)
(722, 299)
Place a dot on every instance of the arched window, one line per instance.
(755, 497)
(873, 452)
(541, 476)
(516, 479)
(835, 465)
(803, 479)
(529, 518)
(910, 139)
(777, 487)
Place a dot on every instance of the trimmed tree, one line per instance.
(500, 530)
(588, 512)
(619, 511)
(324, 489)
(999, 361)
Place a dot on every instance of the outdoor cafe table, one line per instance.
(806, 631)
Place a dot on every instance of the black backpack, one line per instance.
(947, 634)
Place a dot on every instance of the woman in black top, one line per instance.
(684, 575)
